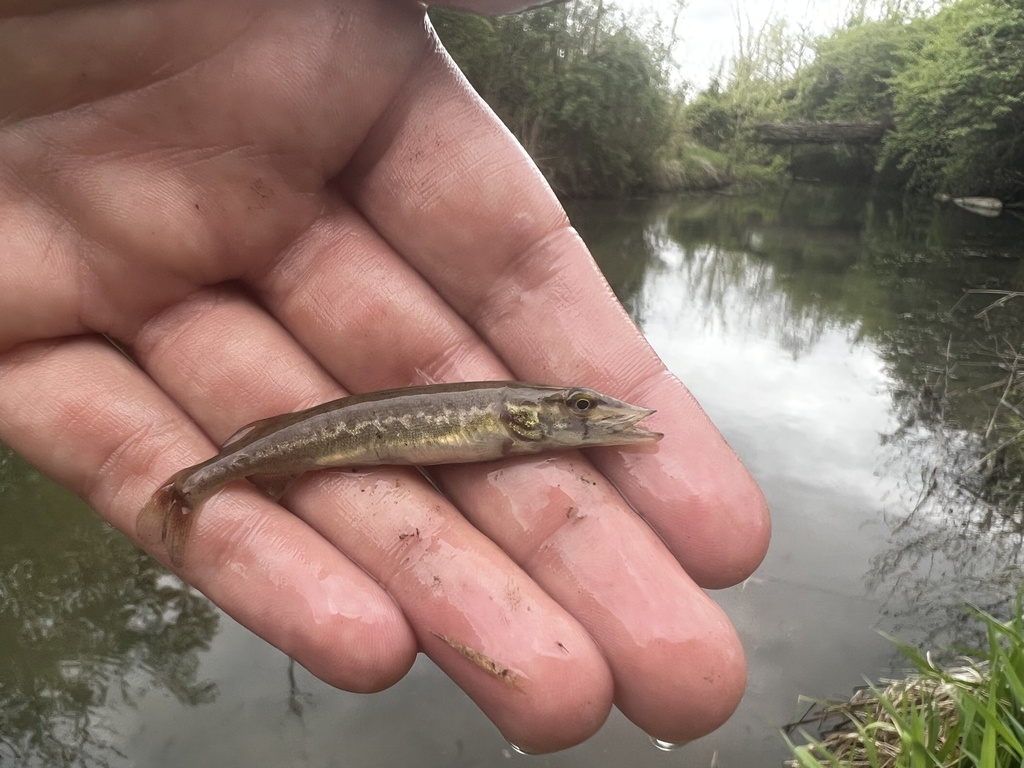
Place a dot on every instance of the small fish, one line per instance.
(421, 426)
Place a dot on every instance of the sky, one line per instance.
(708, 32)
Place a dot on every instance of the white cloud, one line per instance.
(708, 28)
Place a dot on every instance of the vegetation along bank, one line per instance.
(593, 95)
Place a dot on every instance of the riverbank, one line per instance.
(971, 714)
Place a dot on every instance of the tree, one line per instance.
(850, 76)
(959, 106)
(757, 89)
(584, 92)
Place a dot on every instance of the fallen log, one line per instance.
(819, 133)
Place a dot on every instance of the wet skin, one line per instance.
(270, 204)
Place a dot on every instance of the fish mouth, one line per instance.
(621, 428)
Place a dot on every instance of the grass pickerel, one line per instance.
(421, 426)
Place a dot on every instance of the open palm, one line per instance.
(269, 203)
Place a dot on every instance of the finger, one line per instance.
(529, 666)
(677, 662)
(523, 279)
(68, 57)
(86, 416)
(217, 127)
(304, 79)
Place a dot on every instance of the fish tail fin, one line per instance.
(167, 519)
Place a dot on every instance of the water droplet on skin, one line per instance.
(666, 746)
(519, 750)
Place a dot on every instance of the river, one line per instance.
(828, 334)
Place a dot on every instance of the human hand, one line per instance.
(265, 202)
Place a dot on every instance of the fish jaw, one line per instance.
(621, 428)
(608, 423)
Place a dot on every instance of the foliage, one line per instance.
(760, 79)
(849, 77)
(969, 716)
(692, 167)
(950, 86)
(710, 117)
(959, 105)
(585, 93)
(588, 93)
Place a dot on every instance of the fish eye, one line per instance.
(580, 403)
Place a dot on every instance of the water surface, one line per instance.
(820, 330)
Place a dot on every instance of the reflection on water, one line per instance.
(957, 443)
(882, 285)
(821, 330)
(88, 623)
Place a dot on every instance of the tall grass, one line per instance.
(971, 715)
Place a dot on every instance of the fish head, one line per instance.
(580, 418)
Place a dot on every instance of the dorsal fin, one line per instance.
(263, 427)
(237, 436)
(253, 431)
